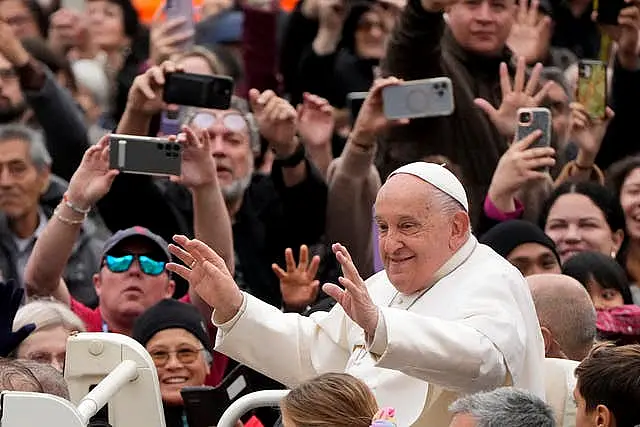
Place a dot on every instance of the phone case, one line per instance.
(591, 89)
(182, 9)
(419, 98)
(145, 155)
(540, 119)
(170, 123)
(198, 90)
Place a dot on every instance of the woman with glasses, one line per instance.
(175, 335)
(48, 342)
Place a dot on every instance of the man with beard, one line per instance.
(29, 94)
(269, 213)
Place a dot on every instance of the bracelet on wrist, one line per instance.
(73, 207)
(65, 220)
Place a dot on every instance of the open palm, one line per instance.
(315, 121)
(518, 95)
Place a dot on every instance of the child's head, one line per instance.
(603, 278)
(331, 400)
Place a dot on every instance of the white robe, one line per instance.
(475, 329)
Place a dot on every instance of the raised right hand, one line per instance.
(145, 95)
(331, 14)
(207, 273)
(371, 119)
(517, 166)
(93, 178)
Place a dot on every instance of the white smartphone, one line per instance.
(419, 98)
(145, 155)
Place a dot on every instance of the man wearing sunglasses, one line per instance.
(131, 279)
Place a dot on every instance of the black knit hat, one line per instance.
(167, 314)
(508, 235)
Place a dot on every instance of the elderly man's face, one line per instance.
(231, 147)
(463, 420)
(414, 234)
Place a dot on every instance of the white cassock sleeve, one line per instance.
(451, 354)
(287, 347)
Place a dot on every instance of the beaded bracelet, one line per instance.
(64, 220)
(73, 207)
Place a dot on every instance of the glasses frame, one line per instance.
(167, 355)
(135, 257)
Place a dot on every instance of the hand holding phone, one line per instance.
(591, 90)
(419, 99)
(535, 120)
(198, 90)
(146, 94)
(354, 104)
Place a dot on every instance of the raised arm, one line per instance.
(210, 216)
(92, 180)
(413, 50)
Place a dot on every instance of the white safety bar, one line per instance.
(258, 399)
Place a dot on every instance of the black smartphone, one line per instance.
(354, 103)
(198, 90)
(609, 10)
(205, 405)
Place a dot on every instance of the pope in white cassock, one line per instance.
(447, 316)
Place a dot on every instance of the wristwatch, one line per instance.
(293, 160)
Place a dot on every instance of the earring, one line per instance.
(613, 254)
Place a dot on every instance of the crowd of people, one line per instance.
(431, 272)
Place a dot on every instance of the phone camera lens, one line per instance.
(176, 147)
(441, 93)
(525, 117)
(160, 146)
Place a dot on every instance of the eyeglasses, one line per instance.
(148, 265)
(184, 356)
(235, 122)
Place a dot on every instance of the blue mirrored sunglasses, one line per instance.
(120, 264)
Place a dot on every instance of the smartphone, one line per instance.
(145, 155)
(181, 9)
(532, 119)
(198, 90)
(170, 122)
(608, 10)
(591, 90)
(354, 103)
(205, 405)
(418, 98)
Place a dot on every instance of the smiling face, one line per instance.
(630, 201)
(482, 26)
(576, 224)
(415, 237)
(178, 371)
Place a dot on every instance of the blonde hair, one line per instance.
(212, 60)
(331, 400)
(47, 314)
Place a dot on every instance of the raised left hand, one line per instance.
(354, 299)
(530, 34)
(315, 121)
(298, 284)
(198, 164)
(515, 96)
(586, 132)
(276, 119)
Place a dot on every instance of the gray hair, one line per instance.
(506, 406)
(37, 149)
(556, 75)
(47, 314)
